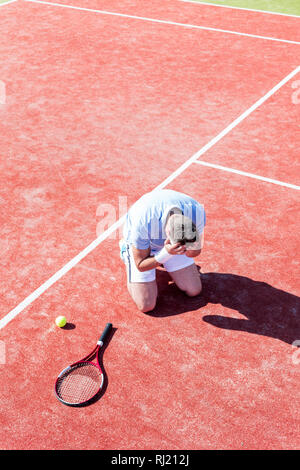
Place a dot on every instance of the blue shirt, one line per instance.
(145, 221)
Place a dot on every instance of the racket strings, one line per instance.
(80, 383)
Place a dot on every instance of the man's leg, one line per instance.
(144, 294)
(141, 286)
(187, 279)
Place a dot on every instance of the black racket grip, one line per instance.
(105, 333)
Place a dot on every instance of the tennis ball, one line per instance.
(61, 321)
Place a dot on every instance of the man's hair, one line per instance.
(182, 230)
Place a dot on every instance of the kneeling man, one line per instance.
(164, 227)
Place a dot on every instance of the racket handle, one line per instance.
(104, 334)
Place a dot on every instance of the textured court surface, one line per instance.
(100, 106)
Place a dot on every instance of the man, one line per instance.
(164, 227)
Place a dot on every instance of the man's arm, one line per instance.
(144, 261)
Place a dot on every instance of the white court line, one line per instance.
(59, 274)
(152, 20)
(7, 3)
(245, 173)
(228, 129)
(240, 8)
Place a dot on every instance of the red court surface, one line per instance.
(101, 106)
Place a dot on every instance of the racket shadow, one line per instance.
(101, 392)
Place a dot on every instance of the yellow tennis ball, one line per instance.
(61, 321)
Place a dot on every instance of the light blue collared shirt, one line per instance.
(145, 221)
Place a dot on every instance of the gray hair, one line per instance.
(183, 230)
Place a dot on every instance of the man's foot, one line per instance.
(122, 246)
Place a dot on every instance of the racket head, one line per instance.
(79, 384)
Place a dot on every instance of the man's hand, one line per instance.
(174, 249)
(192, 253)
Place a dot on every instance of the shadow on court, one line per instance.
(269, 311)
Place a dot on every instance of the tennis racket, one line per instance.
(80, 383)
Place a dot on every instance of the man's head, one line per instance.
(181, 229)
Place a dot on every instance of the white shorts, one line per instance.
(173, 264)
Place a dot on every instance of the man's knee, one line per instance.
(144, 295)
(146, 305)
(194, 291)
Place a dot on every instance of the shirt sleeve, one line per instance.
(140, 237)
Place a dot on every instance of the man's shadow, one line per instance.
(269, 311)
